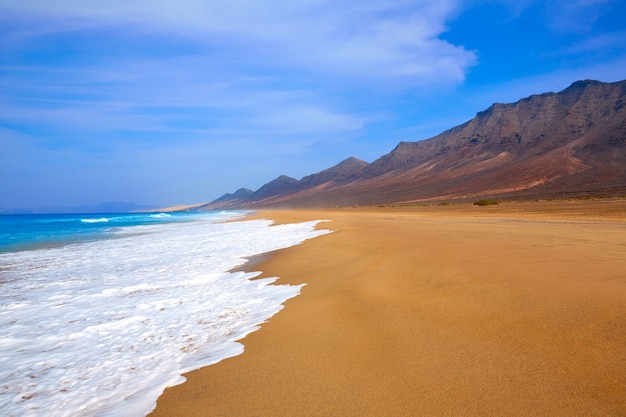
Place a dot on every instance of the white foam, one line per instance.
(100, 220)
(101, 328)
(160, 215)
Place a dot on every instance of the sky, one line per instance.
(178, 102)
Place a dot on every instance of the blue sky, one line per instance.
(167, 102)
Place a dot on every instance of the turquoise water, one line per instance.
(31, 231)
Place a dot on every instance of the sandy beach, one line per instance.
(510, 310)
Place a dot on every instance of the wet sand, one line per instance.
(511, 310)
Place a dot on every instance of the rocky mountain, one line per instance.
(551, 145)
(228, 199)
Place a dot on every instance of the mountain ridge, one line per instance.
(547, 145)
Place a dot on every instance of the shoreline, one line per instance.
(439, 310)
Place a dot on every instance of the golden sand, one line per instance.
(513, 310)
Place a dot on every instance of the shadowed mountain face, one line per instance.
(552, 145)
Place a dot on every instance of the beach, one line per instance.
(458, 310)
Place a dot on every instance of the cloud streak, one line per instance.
(220, 55)
(379, 39)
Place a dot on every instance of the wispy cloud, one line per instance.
(563, 17)
(218, 56)
(603, 42)
(576, 16)
(356, 38)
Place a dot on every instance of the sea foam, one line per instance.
(101, 328)
(100, 220)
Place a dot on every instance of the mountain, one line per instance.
(239, 197)
(551, 145)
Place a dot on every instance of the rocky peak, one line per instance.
(277, 186)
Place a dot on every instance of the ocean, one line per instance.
(100, 313)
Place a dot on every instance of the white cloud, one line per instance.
(307, 119)
(361, 39)
(252, 68)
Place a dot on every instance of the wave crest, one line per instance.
(101, 220)
(160, 215)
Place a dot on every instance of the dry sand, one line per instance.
(514, 310)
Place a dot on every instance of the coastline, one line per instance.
(517, 309)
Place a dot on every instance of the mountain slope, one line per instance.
(548, 145)
(345, 172)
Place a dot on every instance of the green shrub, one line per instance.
(486, 203)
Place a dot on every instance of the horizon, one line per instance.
(161, 105)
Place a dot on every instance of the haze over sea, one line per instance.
(99, 313)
